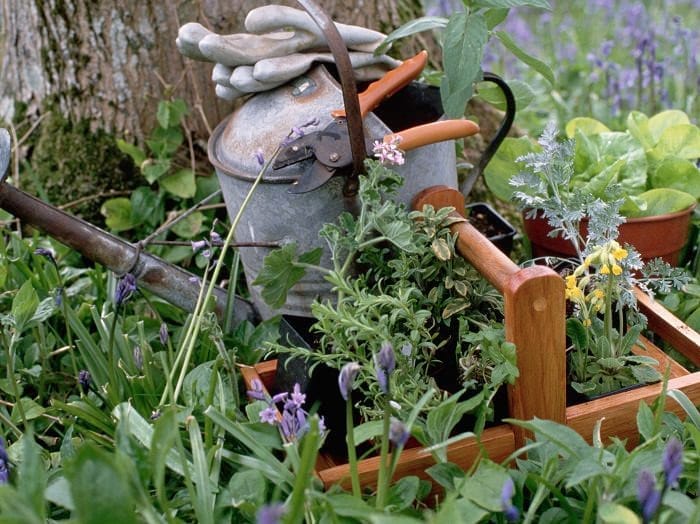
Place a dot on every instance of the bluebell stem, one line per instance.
(510, 512)
(125, 288)
(4, 463)
(270, 514)
(672, 461)
(648, 496)
(85, 380)
(384, 364)
(163, 334)
(138, 357)
(346, 378)
(398, 432)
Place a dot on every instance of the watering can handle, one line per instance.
(350, 99)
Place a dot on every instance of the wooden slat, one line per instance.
(619, 411)
(670, 328)
(653, 351)
(497, 442)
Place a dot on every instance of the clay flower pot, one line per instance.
(662, 236)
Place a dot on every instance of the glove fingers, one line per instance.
(242, 79)
(245, 49)
(188, 38)
(274, 17)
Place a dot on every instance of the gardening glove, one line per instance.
(283, 44)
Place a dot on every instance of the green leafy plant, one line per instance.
(463, 36)
(605, 324)
(652, 161)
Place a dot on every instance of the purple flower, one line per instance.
(138, 357)
(271, 514)
(155, 414)
(43, 252)
(58, 297)
(388, 153)
(672, 461)
(4, 463)
(125, 288)
(257, 393)
(384, 364)
(510, 512)
(163, 333)
(259, 157)
(84, 379)
(406, 349)
(346, 378)
(398, 432)
(648, 496)
(198, 244)
(269, 415)
(215, 238)
(297, 398)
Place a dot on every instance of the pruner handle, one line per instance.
(425, 134)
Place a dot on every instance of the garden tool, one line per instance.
(282, 43)
(330, 148)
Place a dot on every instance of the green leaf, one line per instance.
(657, 202)
(544, 4)
(578, 334)
(145, 206)
(463, 49)
(100, 487)
(204, 494)
(279, 273)
(494, 17)
(425, 23)
(32, 410)
(165, 433)
(117, 213)
(180, 183)
(189, 226)
(367, 431)
(690, 409)
(503, 165)
(32, 475)
(484, 487)
(152, 170)
(677, 173)
(536, 64)
(587, 126)
(645, 421)
(638, 127)
(563, 437)
(523, 93)
(441, 249)
(136, 153)
(399, 233)
(681, 141)
(460, 510)
(170, 112)
(247, 489)
(165, 141)
(24, 305)
(403, 493)
(585, 469)
(447, 474)
(660, 122)
(611, 513)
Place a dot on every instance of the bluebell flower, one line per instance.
(215, 238)
(648, 496)
(346, 378)
(198, 244)
(47, 253)
(125, 288)
(155, 414)
(163, 334)
(269, 415)
(398, 432)
(58, 297)
(257, 393)
(384, 364)
(672, 461)
(259, 157)
(138, 357)
(85, 380)
(270, 514)
(4, 463)
(510, 512)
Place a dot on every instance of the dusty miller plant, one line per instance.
(605, 323)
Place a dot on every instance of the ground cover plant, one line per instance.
(115, 406)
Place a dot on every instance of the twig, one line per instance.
(220, 243)
(31, 130)
(87, 198)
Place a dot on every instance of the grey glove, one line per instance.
(284, 44)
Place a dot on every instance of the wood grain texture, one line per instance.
(670, 328)
(649, 349)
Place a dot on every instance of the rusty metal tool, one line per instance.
(330, 148)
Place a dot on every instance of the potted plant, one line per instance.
(649, 165)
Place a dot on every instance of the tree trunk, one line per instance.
(110, 61)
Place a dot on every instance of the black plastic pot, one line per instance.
(494, 227)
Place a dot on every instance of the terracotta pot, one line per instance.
(662, 236)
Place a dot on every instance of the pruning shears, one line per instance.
(330, 147)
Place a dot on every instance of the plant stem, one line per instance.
(384, 477)
(11, 378)
(608, 315)
(352, 452)
(306, 466)
(111, 362)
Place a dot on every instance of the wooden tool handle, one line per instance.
(389, 84)
(434, 132)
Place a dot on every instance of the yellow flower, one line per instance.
(570, 282)
(599, 294)
(587, 322)
(620, 253)
(604, 269)
(617, 270)
(574, 293)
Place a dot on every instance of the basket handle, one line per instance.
(349, 88)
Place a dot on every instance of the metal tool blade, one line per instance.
(313, 178)
(5, 144)
(296, 151)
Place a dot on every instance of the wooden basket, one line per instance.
(535, 322)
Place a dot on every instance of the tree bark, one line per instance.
(110, 61)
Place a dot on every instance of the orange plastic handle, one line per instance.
(418, 136)
(389, 84)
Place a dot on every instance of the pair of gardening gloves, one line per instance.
(282, 44)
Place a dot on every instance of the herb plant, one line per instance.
(605, 324)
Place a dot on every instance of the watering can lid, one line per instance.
(266, 119)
